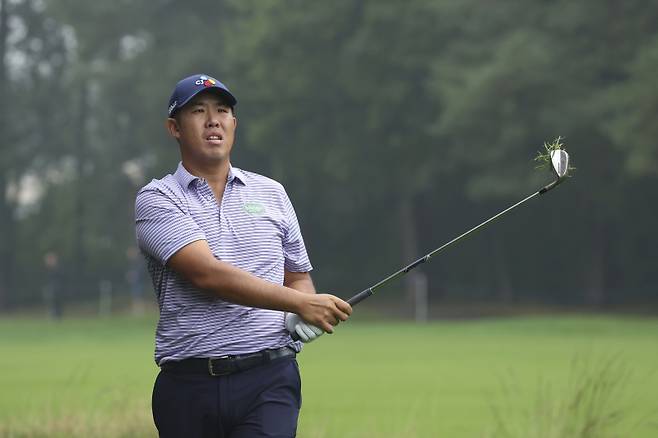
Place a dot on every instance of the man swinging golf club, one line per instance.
(227, 259)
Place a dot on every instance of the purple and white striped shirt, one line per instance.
(255, 229)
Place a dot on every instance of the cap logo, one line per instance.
(205, 81)
(172, 106)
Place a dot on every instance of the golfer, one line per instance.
(231, 274)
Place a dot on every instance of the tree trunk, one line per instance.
(78, 268)
(504, 290)
(6, 218)
(410, 251)
(595, 273)
(7, 243)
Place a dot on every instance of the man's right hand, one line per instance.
(324, 311)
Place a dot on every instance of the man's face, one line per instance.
(205, 129)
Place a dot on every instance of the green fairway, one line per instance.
(93, 377)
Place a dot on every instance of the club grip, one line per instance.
(356, 299)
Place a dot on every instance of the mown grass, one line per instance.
(481, 378)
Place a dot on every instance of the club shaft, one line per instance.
(367, 292)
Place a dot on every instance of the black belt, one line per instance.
(225, 365)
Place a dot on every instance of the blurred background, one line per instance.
(394, 127)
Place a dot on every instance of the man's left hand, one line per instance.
(306, 332)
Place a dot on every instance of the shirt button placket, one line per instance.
(205, 191)
(227, 192)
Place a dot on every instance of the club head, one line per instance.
(560, 162)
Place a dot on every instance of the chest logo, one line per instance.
(253, 208)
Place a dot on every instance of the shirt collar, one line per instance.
(235, 173)
(185, 178)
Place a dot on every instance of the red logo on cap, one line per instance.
(205, 81)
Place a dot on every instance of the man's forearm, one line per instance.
(296, 296)
(196, 263)
(237, 286)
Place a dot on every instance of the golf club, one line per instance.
(560, 164)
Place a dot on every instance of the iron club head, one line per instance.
(560, 162)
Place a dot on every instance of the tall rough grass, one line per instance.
(128, 421)
(592, 404)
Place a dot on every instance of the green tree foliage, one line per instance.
(633, 104)
(34, 59)
(393, 125)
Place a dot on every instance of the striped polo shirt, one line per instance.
(254, 228)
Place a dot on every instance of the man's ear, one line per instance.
(172, 127)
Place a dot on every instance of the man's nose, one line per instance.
(212, 122)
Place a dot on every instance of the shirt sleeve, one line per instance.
(294, 250)
(162, 226)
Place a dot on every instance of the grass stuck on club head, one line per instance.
(554, 156)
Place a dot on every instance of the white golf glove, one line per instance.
(306, 332)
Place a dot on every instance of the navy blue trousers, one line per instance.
(259, 402)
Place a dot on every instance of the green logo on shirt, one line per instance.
(254, 208)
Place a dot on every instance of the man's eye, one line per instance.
(223, 109)
(197, 110)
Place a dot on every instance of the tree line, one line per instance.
(394, 126)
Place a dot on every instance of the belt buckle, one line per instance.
(211, 371)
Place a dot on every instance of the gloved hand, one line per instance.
(306, 332)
